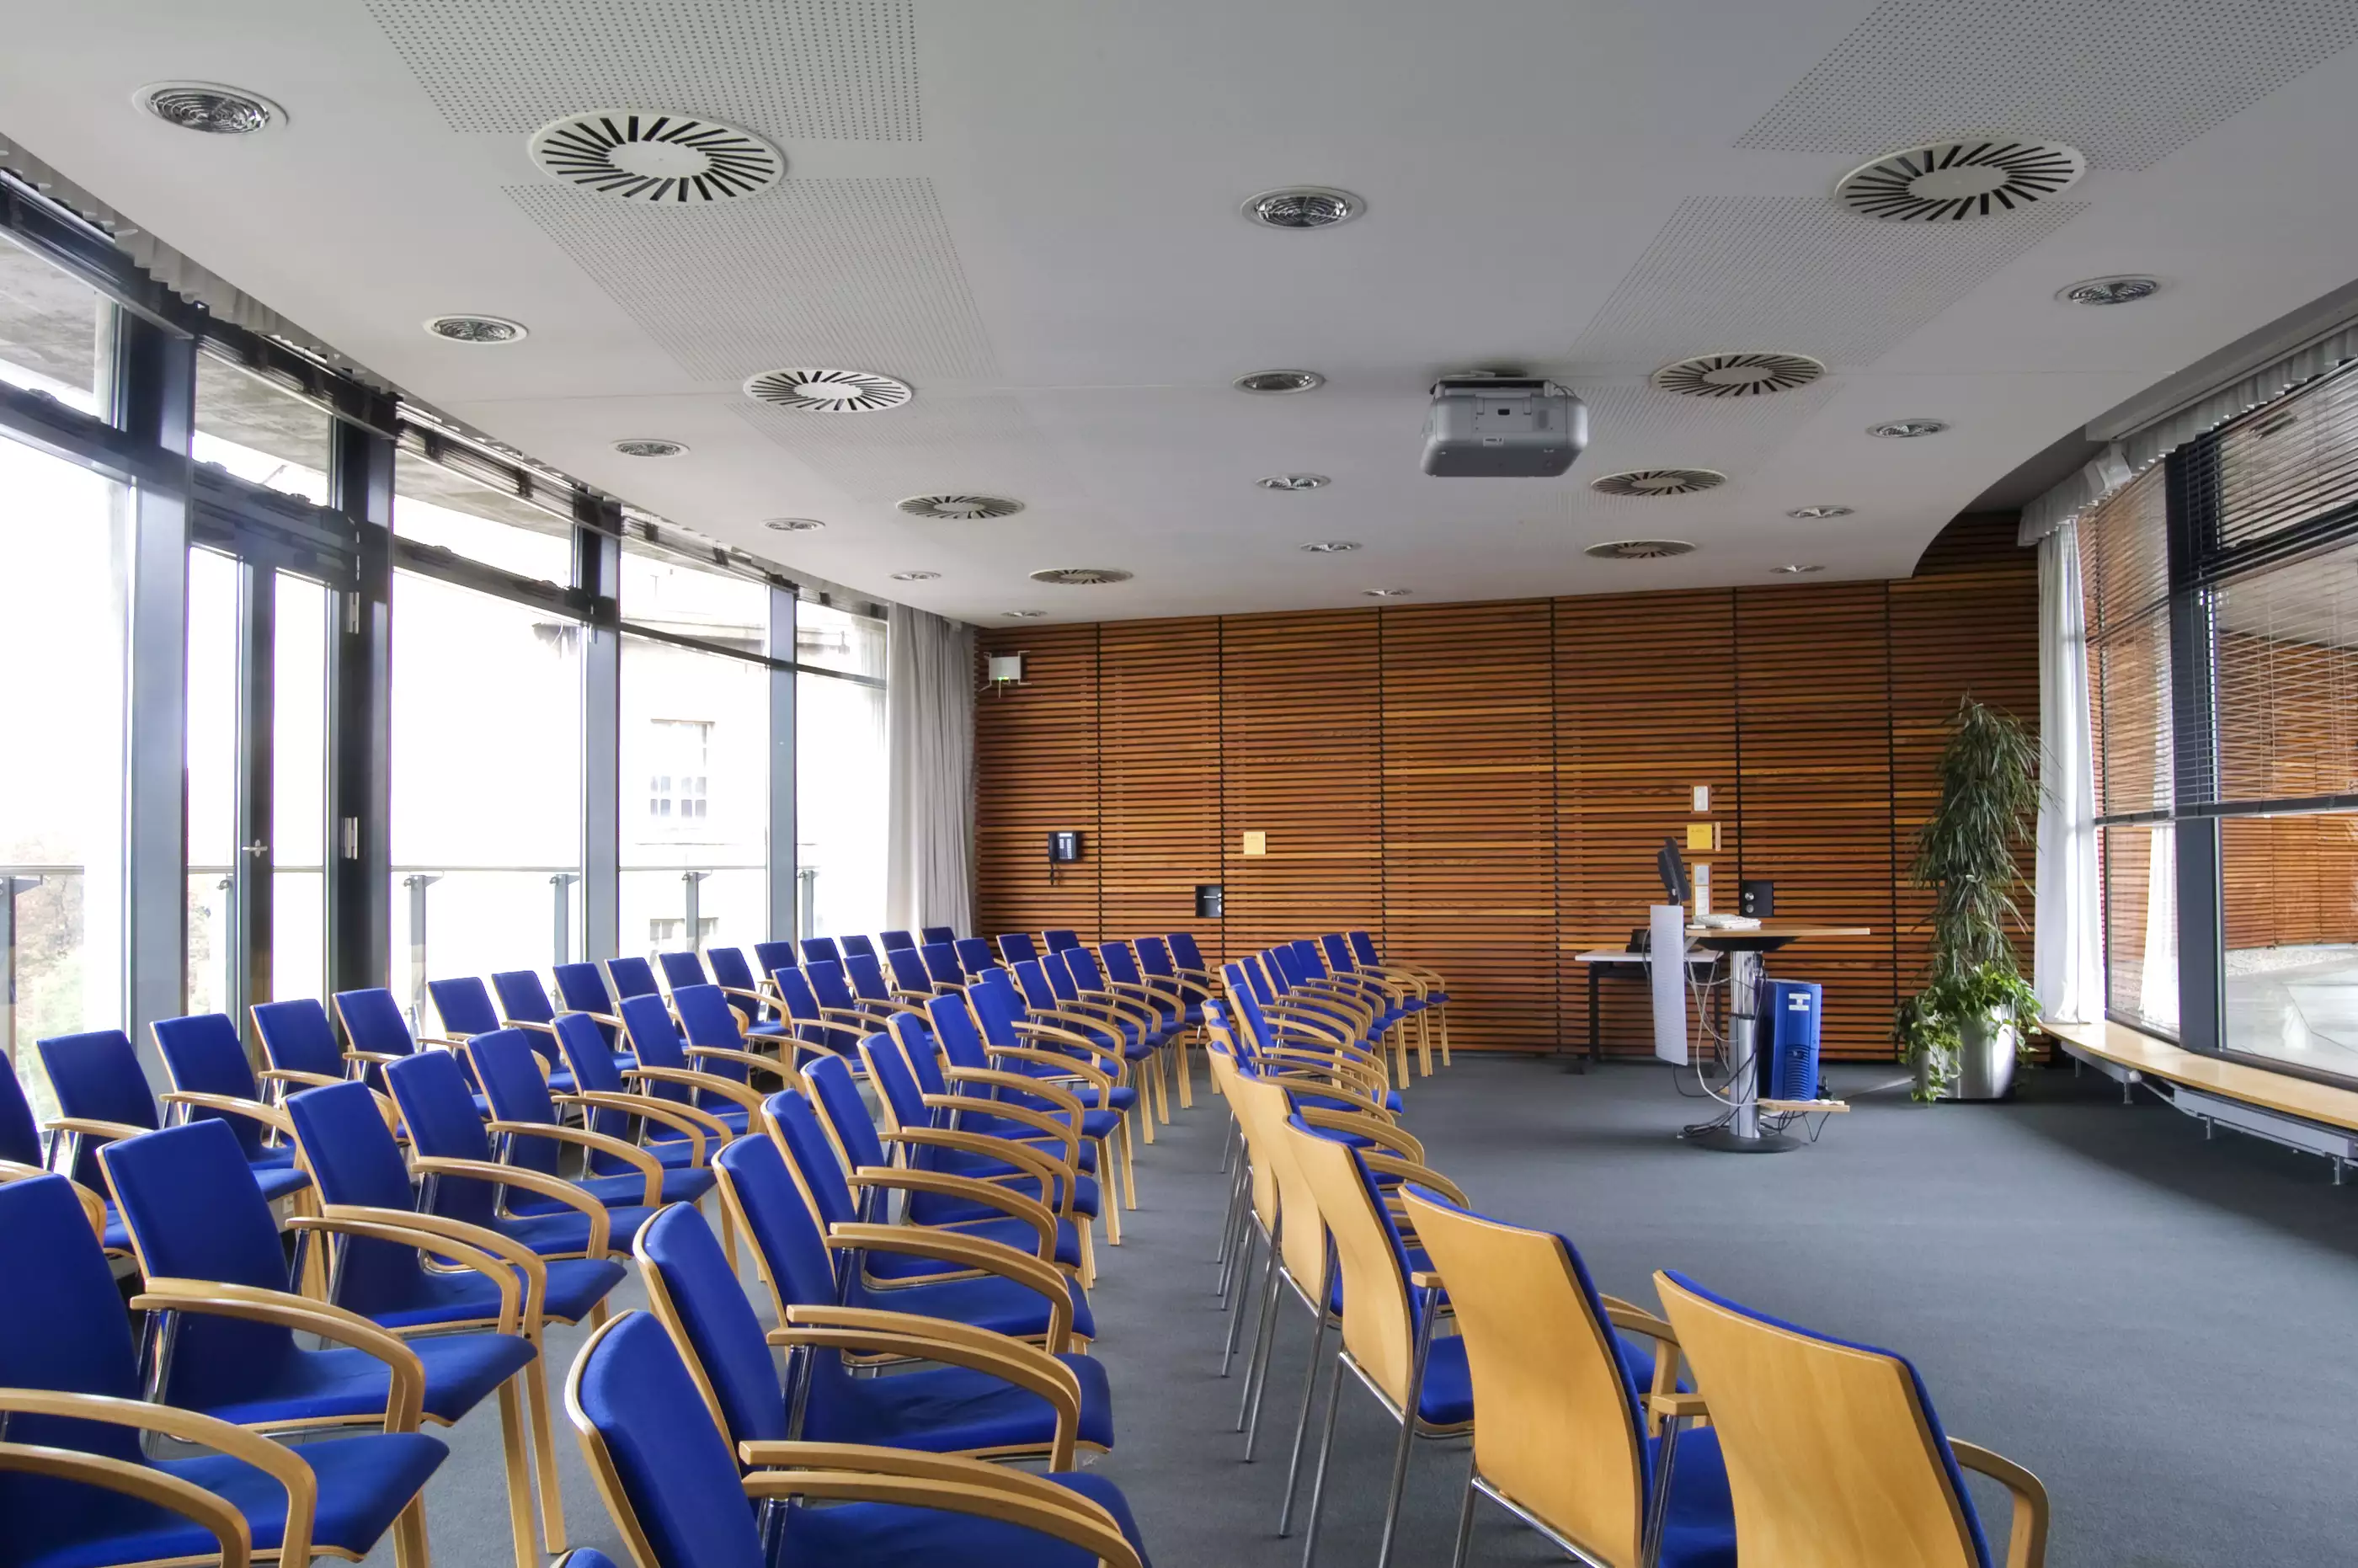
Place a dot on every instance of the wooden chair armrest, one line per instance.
(1029, 1159)
(1425, 1279)
(90, 1127)
(2025, 1537)
(374, 1058)
(406, 1380)
(1637, 1320)
(1066, 1066)
(1020, 1083)
(1385, 1134)
(1413, 1171)
(939, 1340)
(554, 1187)
(1675, 1406)
(155, 1487)
(520, 1303)
(697, 1125)
(987, 1491)
(94, 1207)
(1026, 1030)
(507, 1248)
(974, 1252)
(269, 1116)
(290, 1075)
(631, 1155)
(710, 1083)
(1007, 1200)
(1040, 1120)
(752, 1061)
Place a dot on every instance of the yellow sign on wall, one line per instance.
(1256, 843)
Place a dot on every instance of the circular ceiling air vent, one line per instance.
(649, 447)
(477, 328)
(1293, 481)
(677, 159)
(1303, 207)
(1639, 549)
(1081, 577)
(795, 524)
(1281, 380)
(1658, 481)
(1023, 614)
(1945, 182)
(961, 508)
(1812, 514)
(1797, 570)
(1330, 546)
(209, 107)
(1907, 430)
(1386, 592)
(829, 391)
(1737, 375)
(915, 577)
(2109, 291)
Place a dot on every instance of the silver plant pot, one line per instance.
(1985, 1048)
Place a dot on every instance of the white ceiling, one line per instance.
(1029, 209)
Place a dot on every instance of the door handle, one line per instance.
(257, 847)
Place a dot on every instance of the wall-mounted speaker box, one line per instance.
(1207, 901)
(1755, 897)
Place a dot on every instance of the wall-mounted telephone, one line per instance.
(1063, 848)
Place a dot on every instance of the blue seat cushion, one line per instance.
(972, 1218)
(566, 1230)
(944, 1409)
(277, 1181)
(1699, 1519)
(961, 1163)
(364, 1483)
(886, 1535)
(575, 1285)
(985, 1301)
(683, 1185)
(461, 1371)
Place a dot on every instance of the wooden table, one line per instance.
(1603, 959)
(1744, 946)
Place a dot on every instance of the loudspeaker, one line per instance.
(1756, 899)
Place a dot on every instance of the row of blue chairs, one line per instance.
(1695, 1437)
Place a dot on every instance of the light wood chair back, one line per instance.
(1559, 1432)
(1377, 1329)
(1833, 1457)
(1300, 1222)
(1260, 1165)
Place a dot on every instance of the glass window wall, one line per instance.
(840, 778)
(56, 332)
(442, 507)
(260, 431)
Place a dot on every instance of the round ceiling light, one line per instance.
(1812, 514)
(1907, 430)
(1658, 481)
(1737, 375)
(1947, 182)
(829, 391)
(1292, 482)
(649, 447)
(477, 328)
(1281, 380)
(795, 524)
(209, 108)
(2109, 291)
(676, 161)
(1303, 207)
(961, 508)
(1796, 570)
(1330, 546)
(1639, 549)
(1023, 614)
(1081, 577)
(915, 577)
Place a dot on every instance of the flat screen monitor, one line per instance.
(1673, 867)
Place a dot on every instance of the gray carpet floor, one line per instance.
(2161, 1328)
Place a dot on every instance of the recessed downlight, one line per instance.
(1303, 207)
(959, 508)
(1738, 375)
(209, 108)
(1954, 181)
(1279, 381)
(1292, 481)
(1639, 549)
(1797, 571)
(1907, 430)
(1812, 514)
(1386, 592)
(1023, 614)
(649, 447)
(829, 391)
(795, 524)
(915, 577)
(1658, 481)
(1330, 546)
(1081, 577)
(484, 330)
(2109, 291)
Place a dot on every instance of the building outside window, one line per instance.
(680, 795)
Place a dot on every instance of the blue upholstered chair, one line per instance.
(827, 1253)
(529, 1129)
(982, 1394)
(815, 1031)
(632, 977)
(581, 987)
(1318, 1050)
(1003, 1036)
(1017, 946)
(1436, 990)
(23, 1157)
(1781, 1396)
(974, 955)
(76, 1486)
(942, 967)
(1155, 1034)
(716, 1038)
(1179, 1008)
(821, 950)
(682, 969)
(1058, 939)
(930, 936)
(103, 1094)
(968, 1070)
(1418, 991)
(226, 1348)
(894, 941)
(857, 945)
(770, 956)
(870, 988)
(299, 1045)
(736, 978)
(677, 1494)
(665, 1068)
(375, 1029)
(830, 985)
(911, 979)
(676, 1133)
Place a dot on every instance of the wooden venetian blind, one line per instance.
(2125, 577)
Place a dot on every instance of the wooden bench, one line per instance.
(2297, 1112)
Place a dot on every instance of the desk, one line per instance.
(1744, 947)
(1605, 958)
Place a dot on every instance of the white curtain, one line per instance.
(929, 813)
(2067, 967)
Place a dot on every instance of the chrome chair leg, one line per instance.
(1236, 1311)
(1326, 1453)
(1464, 1520)
(1302, 1421)
(1257, 1373)
(1408, 1427)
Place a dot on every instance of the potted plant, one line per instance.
(1963, 1030)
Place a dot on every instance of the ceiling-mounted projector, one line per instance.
(1502, 427)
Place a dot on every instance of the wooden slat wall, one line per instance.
(1468, 762)
(1483, 786)
(1645, 709)
(1302, 722)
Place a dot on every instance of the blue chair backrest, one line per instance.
(866, 973)
(955, 1031)
(909, 969)
(813, 1157)
(857, 944)
(1290, 965)
(582, 988)
(1060, 940)
(923, 1055)
(438, 1108)
(372, 1022)
(828, 986)
(896, 1082)
(729, 966)
(21, 1133)
(931, 935)
(784, 1232)
(464, 1006)
(941, 964)
(771, 956)
(355, 1162)
(654, 1039)
(802, 1007)
(679, 1474)
(96, 1076)
(895, 940)
(523, 996)
(974, 955)
(202, 1054)
(1363, 947)
(723, 1336)
(1057, 966)
(1183, 948)
(509, 1070)
(1082, 965)
(821, 950)
(708, 1019)
(1016, 946)
(69, 1334)
(1031, 978)
(298, 1037)
(838, 1093)
(587, 1057)
(1154, 957)
(1121, 963)
(681, 970)
(188, 1196)
(632, 977)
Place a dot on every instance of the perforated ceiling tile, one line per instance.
(1799, 274)
(798, 69)
(2127, 84)
(1638, 426)
(830, 272)
(980, 443)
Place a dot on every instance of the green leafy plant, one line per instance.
(1966, 849)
